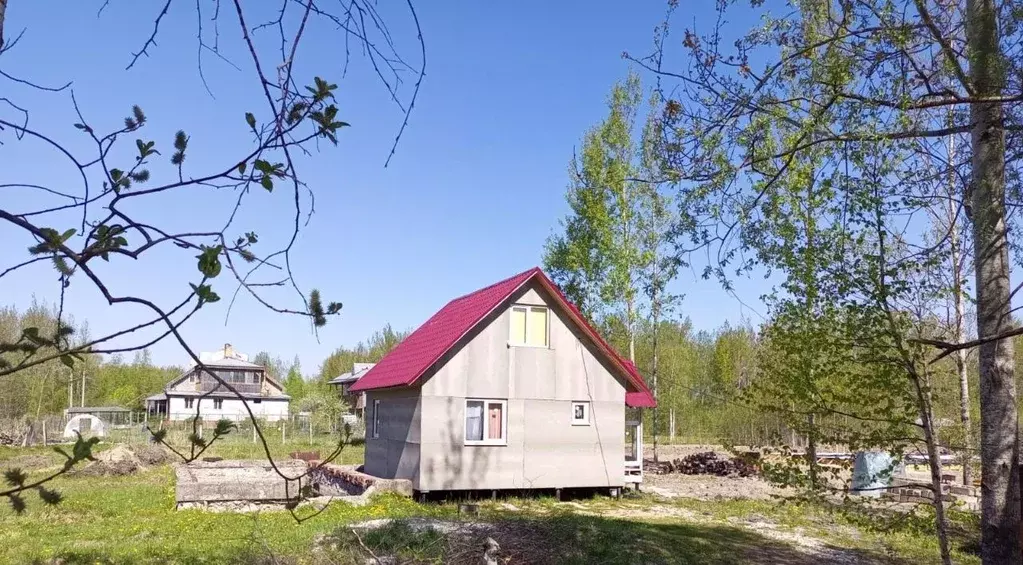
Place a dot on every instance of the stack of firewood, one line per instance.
(706, 463)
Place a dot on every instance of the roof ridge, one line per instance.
(498, 283)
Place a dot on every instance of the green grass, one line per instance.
(234, 446)
(131, 519)
(907, 536)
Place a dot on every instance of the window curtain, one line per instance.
(474, 421)
(496, 421)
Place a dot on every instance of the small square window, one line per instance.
(257, 401)
(189, 402)
(580, 413)
(218, 403)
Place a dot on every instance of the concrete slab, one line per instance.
(206, 482)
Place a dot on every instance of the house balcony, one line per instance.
(207, 384)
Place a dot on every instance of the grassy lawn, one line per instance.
(131, 519)
(234, 446)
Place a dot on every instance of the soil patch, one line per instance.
(708, 487)
(124, 460)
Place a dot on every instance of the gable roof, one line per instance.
(358, 371)
(414, 356)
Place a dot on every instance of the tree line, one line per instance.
(124, 380)
(857, 153)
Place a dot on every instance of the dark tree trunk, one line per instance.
(811, 449)
(925, 407)
(3, 12)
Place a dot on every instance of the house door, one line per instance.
(633, 451)
(633, 441)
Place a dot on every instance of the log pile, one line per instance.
(706, 463)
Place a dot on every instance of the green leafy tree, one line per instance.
(598, 258)
(275, 367)
(854, 79)
(372, 350)
(324, 406)
(294, 384)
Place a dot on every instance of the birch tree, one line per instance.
(599, 256)
(886, 73)
(614, 257)
(655, 221)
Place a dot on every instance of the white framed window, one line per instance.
(580, 413)
(376, 418)
(189, 402)
(530, 326)
(486, 422)
(218, 403)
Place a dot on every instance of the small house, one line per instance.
(356, 400)
(197, 391)
(508, 387)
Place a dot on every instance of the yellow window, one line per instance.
(518, 326)
(537, 334)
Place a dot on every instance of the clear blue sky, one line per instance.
(475, 189)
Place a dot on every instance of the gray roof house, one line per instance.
(344, 381)
(197, 392)
(508, 387)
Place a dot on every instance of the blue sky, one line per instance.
(476, 187)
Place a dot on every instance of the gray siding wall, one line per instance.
(544, 449)
(395, 453)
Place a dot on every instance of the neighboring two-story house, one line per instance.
(197, 389)
(508, 387)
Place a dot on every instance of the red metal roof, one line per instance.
(414, 356)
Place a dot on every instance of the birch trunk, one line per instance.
(960, 357)
(1000, 500)
(655, 311)
(959, 322)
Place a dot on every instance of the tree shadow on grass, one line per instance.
(603, 540)
(572, 539)
(558, 538)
